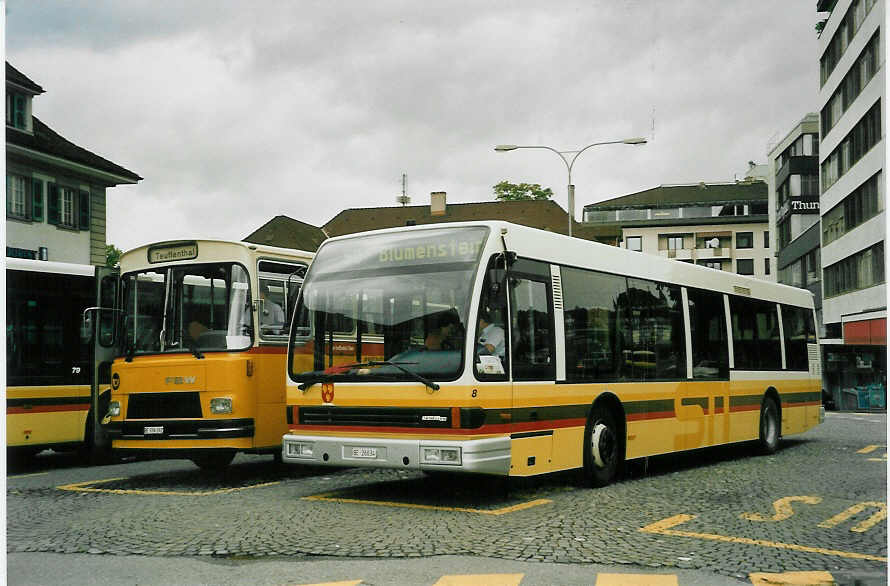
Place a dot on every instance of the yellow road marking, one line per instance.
(783, 508)
(868, 449)
(864, 526)
(636, 580)
(792, 579)
(82, 487)
(26, 475)
(664, 527)
(474, 579)
(884, 459)
(329, 497)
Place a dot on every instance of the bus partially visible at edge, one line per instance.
(57, 372)
(608, 355)
(201, 355)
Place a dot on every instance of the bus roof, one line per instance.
(208, 250)
(560, 249)
(48, 266)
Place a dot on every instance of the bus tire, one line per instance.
(770, 426)
(602, 447)
(213, 460)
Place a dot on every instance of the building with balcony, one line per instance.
(793, 181)
(852, 155)
(722, 226)
(55, 189)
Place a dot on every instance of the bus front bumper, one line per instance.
(181, 429)
(480, 456)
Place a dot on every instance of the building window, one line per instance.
(766, 239)
(860, 205)
(860, 139)
(635, 243)
(675, 242)
(859, 271)
(766, 266)
(68, 207)
(745, 266)
(744, 240)
(851, 22)
(16, 110)
(711, 264)
(16, 200)
(852, 85)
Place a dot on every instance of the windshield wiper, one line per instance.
(131, 351)
(317, 378)
(312, 379)
(411, 373)
(193, 346)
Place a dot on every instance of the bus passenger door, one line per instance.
(533, 362)
(104, 341)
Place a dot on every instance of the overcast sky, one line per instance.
(235, 112)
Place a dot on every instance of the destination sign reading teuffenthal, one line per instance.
(172, 252)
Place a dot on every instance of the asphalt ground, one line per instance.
(819, 504)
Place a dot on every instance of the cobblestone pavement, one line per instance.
(817, 504)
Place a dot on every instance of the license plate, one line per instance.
(364, 452)
(153, 430)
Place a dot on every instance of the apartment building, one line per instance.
(793, 181)
(723, 226)
(55, 189)
(852, 153)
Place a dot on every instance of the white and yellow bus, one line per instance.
(588, 355)
(57, 380)
(203, 334)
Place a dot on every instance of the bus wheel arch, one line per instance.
(604, 441)
(770, 422)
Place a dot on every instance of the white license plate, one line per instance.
(364, 452)
(153, 430)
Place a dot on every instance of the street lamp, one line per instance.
(502, 148)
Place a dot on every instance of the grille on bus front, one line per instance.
(375, 416)
(164, 406)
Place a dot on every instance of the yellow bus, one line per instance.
(53, 371)
(561, 354)
(203, 331)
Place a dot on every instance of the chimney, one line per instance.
(437, 203)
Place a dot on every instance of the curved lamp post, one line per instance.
(569, 161)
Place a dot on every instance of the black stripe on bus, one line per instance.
(653, 406)
(808, 397)
(531, 434)
(700, 401)
(742, 400)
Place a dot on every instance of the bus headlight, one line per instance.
(221, 405)
(441, 455)
(114, 409)
(299, 449)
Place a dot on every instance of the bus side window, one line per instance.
(492, 363)
(755, 334)
(707, 319)
(797, 322)
(658, 342)
(531, 330)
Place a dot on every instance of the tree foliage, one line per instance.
(112, 255)
(506, 191)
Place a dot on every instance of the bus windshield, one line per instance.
(187, 308)
(387, 307)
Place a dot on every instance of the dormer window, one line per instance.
(18, 110)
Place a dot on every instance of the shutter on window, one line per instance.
(37, 200)
(53, 209)
(84, 203)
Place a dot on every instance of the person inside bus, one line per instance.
(491, 336)
(271, 314)
(446, 327)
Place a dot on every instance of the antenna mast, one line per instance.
(404, 199)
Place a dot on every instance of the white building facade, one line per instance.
(852, 153)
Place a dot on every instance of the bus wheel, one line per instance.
(213, 460)
(770, 424)
(602, 448)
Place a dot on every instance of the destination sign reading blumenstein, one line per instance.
(173, 252)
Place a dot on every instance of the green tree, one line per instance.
(506, 191)
(112, 255)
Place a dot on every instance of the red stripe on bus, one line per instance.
(268, 350)
(485, 429)
(738, 408)
(46, 409)
(806, 404)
